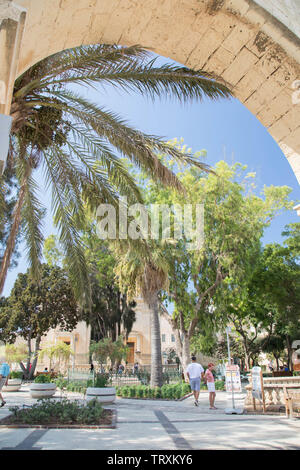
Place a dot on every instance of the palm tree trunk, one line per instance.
(11, 242)
(156, 362)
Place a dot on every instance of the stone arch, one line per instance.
(238, 39)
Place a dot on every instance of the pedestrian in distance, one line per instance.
(195, 372)
(4, 373)
(210, 382)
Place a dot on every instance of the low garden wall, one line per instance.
(274, 393)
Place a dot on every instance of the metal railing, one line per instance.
(127, 377)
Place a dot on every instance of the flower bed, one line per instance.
(64, 413)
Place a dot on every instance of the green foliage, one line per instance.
(108, 349)
(61, 383)
(220, 385)
(167, 391)
(101, 380)
(58, 412)
(59, 350)
(33, 309)
(43, 379)
(8, 186)
(15, 374)
(14, 352)
(76, 141)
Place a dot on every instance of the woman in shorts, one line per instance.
(210, 382)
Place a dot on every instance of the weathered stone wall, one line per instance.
(238, 39)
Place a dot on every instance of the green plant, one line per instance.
(167, 391)
(77, 386)
(132, 391)
(186, 388)
(43, 379)
(61, 383)
(59, 350)
(16, 374)
(220, 385)
(62, 412)
(101, 380)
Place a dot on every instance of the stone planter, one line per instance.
(13, 385)
(104, 395)
(40, 390)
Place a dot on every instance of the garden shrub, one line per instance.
(16, 374)
(125, 391)
(167, 391)
(132, 391)
(220, 385)
(43, 379)
(186, 388)
(61, 383)
(61, 412)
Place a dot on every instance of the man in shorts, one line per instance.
(4, 373)
(194, 372)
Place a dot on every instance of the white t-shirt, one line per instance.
(195, 370)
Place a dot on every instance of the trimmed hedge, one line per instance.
(167, 391)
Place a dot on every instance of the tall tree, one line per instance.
(234, 222)
(278, 275)
(110, 313)
(32, 310)
(72, 140)
(142, 269)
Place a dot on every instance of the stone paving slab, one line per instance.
(159, 425)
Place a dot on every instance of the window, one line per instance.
(163, 338)
(173, 338)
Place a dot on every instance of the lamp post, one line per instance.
(232, 410)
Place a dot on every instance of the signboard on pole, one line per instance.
(233, 378)
(257, 386)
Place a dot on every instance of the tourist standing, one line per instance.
(4, 373)
(194, 372)
(210, 382)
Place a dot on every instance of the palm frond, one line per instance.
(32, 213)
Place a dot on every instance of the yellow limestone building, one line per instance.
(138, 341)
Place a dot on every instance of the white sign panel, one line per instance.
(256, 383)
(233, 378)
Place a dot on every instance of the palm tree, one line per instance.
(143, 269)
(71, 139)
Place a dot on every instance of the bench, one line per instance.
(292, 400)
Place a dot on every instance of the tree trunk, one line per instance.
(34, 363)
(185, 353)
(11, 242)
(182, 339)
(290, 352)
(156, 359)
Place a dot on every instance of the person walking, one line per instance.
(210, 382)
(195, 372)
(4, 373)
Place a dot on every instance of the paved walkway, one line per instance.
(159, 425)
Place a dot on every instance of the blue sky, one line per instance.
(225, 129)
